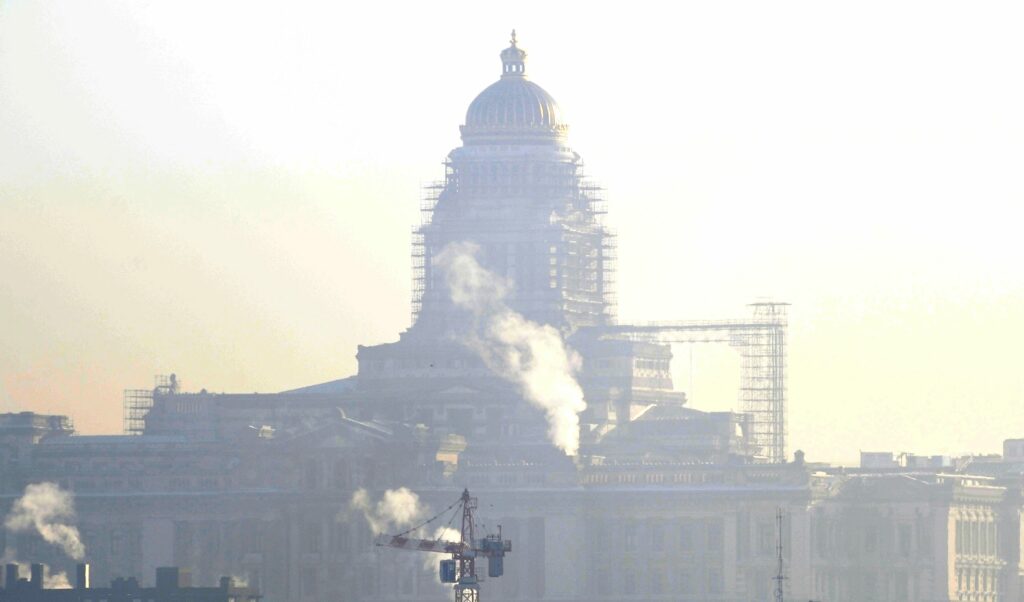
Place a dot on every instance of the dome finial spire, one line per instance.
(513, 40)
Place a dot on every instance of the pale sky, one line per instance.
(226, 191)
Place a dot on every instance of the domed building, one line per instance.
(516, 194)
(517, 191)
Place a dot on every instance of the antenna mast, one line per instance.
(779, 576)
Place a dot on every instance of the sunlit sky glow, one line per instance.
(226, 191)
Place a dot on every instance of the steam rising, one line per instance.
(532, 355)
(49, 511)
(398, 508)
(56, 581)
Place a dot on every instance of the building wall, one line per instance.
(275, 513)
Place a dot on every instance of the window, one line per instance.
(657, 539)
(765, 539)
(629, 537)
(311, 474)
(601, 581)
(312, 538)
(340, 474)
(714, 537)
(116, 541)
(310, 586)
(685, 583)
(903, 540)
(628, 582)
(901, 587)
(599, 535)
(924, 540)
(715, 584)
(870, 540)
(339, 538)
(657, 580)
(686, 537)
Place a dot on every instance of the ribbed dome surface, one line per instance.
(513, 102)
(513, 109)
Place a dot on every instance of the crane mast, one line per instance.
(460, 569)
(467, 588)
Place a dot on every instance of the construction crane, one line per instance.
(460, 569)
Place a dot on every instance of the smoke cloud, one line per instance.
(531, 355)
(400, 508)
(49, 511)
(56, 581)
(396, 509)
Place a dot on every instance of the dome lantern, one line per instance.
(513, 59)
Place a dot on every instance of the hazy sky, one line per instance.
(226, 190)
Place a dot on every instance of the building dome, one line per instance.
(513, 110)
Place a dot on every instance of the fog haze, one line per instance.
(226, 192)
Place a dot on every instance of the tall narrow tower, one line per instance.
(517, 191)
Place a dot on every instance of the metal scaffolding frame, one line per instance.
(549, 206)
(761, 343)
(138, 402)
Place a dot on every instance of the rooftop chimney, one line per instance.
(11, 577)
(37, 575)
(82, 576)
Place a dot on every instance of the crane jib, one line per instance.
(460, 569)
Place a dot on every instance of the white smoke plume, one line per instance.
(56, 580)
(531, 355)
(398, 508)
(49, 511)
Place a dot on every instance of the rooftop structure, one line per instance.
(172, 585)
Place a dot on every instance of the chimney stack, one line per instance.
(37, 575)
(82, 576)
(11, 577)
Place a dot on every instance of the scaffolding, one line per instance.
(761, 343)
(538, 223)
(609, 259)
(138, 402)
(428, 201)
